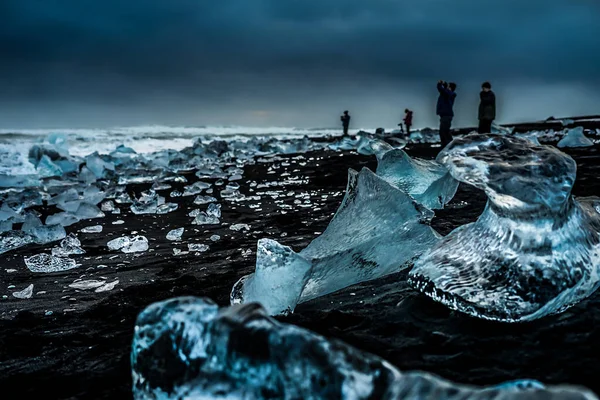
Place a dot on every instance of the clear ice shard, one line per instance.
(128, 244)
(48, 263)
(575, 138)
(92, 229)
(204, 200)
(198, 247)
(69, 245)
(175, 234)
(25, 293)
(188, 348)
(239, 227)
(534, 251)
(377, 230)
(427, 181)
(87, 285)
(11, 240)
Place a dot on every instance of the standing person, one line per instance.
(445, 110)
(345, 122)
(408, 120)
(487, 108)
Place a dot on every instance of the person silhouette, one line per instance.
(487, 108)
(345, 122)
(408, 115)
(444, 110)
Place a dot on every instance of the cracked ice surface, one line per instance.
(48, 263)
(241, 353)
(428, 181)
(376, 231)
(534, 251)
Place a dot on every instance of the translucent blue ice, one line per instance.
(575, 138)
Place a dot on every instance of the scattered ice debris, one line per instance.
(25, 293)
(107, 287)
(69, 245)
(535, 249)
(126, 244)
(197, 247)
(241, 353)
(377, 230)
(199, 200)
(239, 227)
(215, 238)
(175, 234)
(195, 188)
(48, 263)
(92, 229)
(575, 138)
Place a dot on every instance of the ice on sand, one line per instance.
(575, 138)
(241, 353)
(48, 263)
(87, 284)
(92, 229)
(197, 247)
(128, 244)
(534, 251)
(25, 293)
(376, 231)
(68, 246)
(239, 227)
(175, 234)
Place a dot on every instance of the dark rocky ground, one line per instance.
(84, 352)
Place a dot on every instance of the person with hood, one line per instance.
(408, 115)
(345, 122)
(445, 111)
(487, 108)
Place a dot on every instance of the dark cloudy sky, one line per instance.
(83, 63)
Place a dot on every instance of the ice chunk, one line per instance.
(46, 168)
(197, 247)
(280, 273)
(203, 218)
(146, 204)
(25, 293)
(98, 166)
(107, 287)
(5, 226)
(239, 227)
(48, 263)
(69, 245)
(108, 206)
(48, 233)
(129, 244)
(214, 210)
(575, 138)
(166, 208)
(11, 240)
(534, 250)
(31, 221)
(188, 348)
(92, 229)
(199, 200)
(87, 285)
(10, 181)
(88, 211)
(427, 181)
(64, 197)
(376, 231)
(63, 219)
(215, 238)
(195, 188)
(175, 234)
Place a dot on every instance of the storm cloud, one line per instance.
(291, 62)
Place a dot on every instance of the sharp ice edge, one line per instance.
(534, 251)
(241, 353)
(377, 230)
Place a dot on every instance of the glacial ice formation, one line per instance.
(427, 181)
(376, 231)
(534, 251)
(575, 138)
(188, 348)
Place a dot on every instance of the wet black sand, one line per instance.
(84, 353)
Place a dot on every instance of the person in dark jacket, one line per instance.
(487, 108)
(408, 115)
(345, 122)
(445, 105)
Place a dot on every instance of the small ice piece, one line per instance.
(118, 243)
(197, 247)
(195, 188)
(123, 198)
(93, 195)
(69, 245)
(146, 204)
(87, 285)
(239, 227)
(194, 213)
(175, 234)
(176, 193)
(241, 353)
(427, 181)
(88, 211)
(63, 219)
(108, 206)
(160, 186)
(535, 249)
(214, 210)
(199, 200)
(47, 233)
(46, 168)
(118, 222)
(5, 226)
(31, 221)
(25, 293)
(215, 238)
(98, 166)
(235, 177)
(92, 229)
(48, 263)
(204, 219)
(107, 287)
(575, 138)
(166, 208)
(136, 244)
(11, 240)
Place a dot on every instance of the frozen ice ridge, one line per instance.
(188, 348)
(376, 231)
(575, 138)
(427, 181)
(534, 251)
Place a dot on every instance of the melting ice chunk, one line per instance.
(534, 250)
(199, 200)
(128, 244)
(69, 245)
(48, 233)
(87, 285)
(63, 219)
(92, 229)
(239, 227)
(107, 287)
(241, 353)
(11, 240)
(25, 293)
(175, 234)
(195, 188)
(575, 138)
(48, 263)
(203, 218)
(197, 247)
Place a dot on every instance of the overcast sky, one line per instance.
(100, 63)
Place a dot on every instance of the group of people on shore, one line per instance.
(445, 110)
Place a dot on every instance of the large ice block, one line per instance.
(427, 181)
(575, 138)
(534, 250)
(188, 348)
(377, 230)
